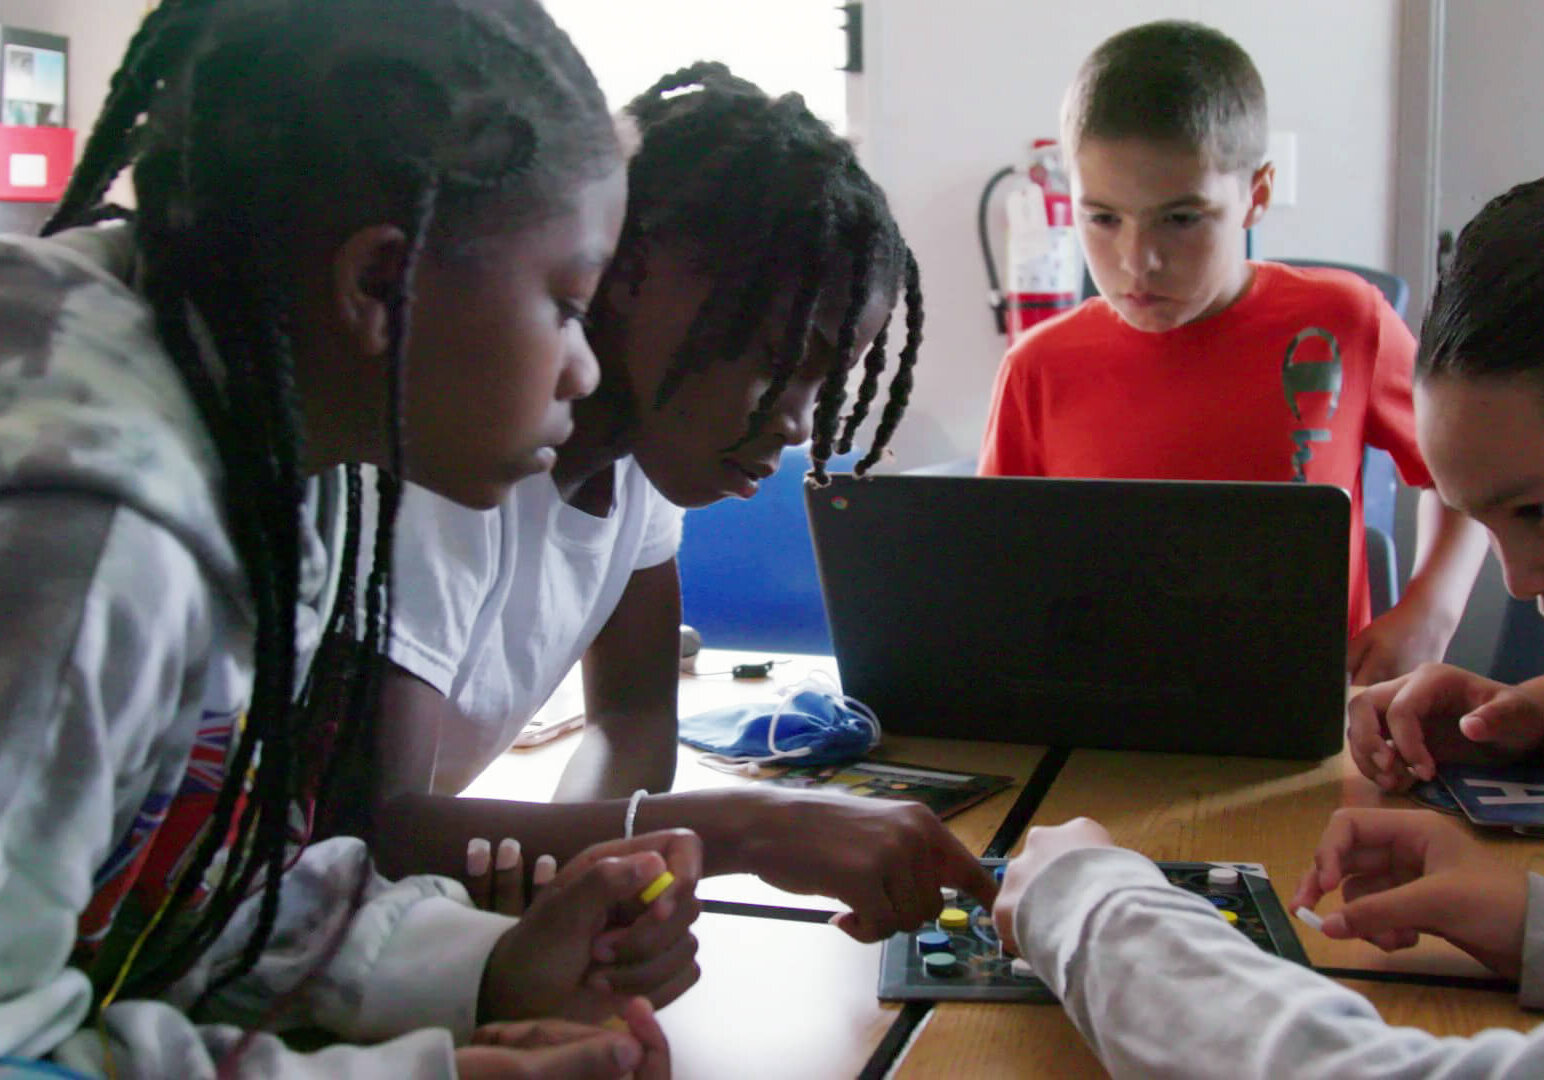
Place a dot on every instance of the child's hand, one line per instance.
(1042, 846)
(1438, 713)
(587, 941)
(495, 882)
(885, 860)
(563, 1050)
(1403, 873)
(1395, 643)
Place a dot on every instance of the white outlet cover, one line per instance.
(29, 170)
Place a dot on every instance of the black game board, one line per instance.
(983, 973)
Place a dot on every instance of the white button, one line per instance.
(1222, 876)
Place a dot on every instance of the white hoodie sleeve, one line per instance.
(112, 638)
(1161, 987)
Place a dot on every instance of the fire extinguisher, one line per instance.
(1044, 270)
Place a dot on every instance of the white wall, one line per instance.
(1492, 94)
(953, 91)
(99, 31)
(780, 45)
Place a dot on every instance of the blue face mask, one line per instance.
(813, 724)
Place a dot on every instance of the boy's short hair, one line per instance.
(1171, 81)
(1485, 319)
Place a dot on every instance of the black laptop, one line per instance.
(1126, 614)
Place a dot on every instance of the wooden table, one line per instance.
(787, 997)
(1180, 807)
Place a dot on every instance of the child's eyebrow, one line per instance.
(1183, 202)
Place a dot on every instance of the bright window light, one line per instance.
(781, 45)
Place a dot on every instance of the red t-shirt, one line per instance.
(1289, 383)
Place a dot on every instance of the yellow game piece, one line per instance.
(952, 918)
(657, 886)
(1230, 917)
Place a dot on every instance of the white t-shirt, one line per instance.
(492, 608)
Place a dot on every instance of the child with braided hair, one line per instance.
(366, 233)
(758, 264)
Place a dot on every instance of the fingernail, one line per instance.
(509, 854)
(628, 1055)
(545, 870)
(477, 855)
(1334, 925)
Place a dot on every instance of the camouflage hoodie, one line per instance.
(125, 664)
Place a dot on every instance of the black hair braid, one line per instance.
(726, 176)
(900, 385)
(349, 751)
(731, 317)
(684, 140)
(833, 391)
(868, 389)
(246, 307)
(164, 249)
(164, 34)
(410, 111)
(648, 106)
(796, 334)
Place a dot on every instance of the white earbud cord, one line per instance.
(744, 765)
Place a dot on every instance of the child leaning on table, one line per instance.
(1104, 929)
(1107, 932)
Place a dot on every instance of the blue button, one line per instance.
(932, 941)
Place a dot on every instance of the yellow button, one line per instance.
(952, 918)
(1231, 917)
(657, 886)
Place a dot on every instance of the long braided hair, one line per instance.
(262, 133)
(767, 199)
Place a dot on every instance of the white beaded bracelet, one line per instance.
(632, 813)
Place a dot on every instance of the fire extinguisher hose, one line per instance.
(994, 296)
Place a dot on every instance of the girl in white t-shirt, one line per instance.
(758, 265)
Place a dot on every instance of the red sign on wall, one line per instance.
(35, 163)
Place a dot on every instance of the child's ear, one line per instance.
(1260, 186)
(366, 272)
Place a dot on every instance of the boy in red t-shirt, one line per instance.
(1198, 364)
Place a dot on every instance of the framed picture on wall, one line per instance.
(34, 78)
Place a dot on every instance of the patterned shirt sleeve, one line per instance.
(110, 635)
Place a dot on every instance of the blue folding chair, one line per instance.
(748, 578)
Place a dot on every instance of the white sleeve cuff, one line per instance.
(430, 665)
(1051, 914)
(430, 971)
(663, 539)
